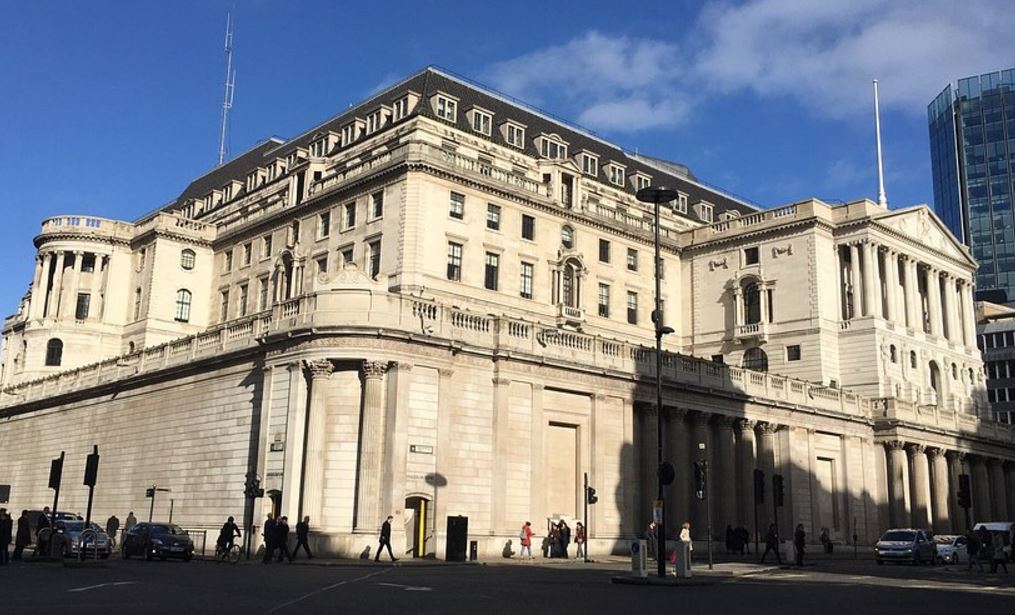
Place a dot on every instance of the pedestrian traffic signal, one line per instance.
(92, 468)
(759, 486)
(55, 472)
(777, 489)
(590, 495)
(965, 493)
(699, 479)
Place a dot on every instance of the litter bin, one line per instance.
(473, 550)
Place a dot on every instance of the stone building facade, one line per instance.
(439, 303)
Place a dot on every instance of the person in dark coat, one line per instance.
(799, 540)
(282, 539)
(42, 542)
(6, 534)
(743, 539)
(24, 537)
(772, 544)
(652, 539)
(227, 535)
(565, 538)
(385, 540)
(302, 532)
(112, 526)
(731, 540)
(130, 522)
(269, 532)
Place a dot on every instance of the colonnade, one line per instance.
(883, 281)
(927, 479)
(58, 283)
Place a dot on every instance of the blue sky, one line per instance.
(111, 108)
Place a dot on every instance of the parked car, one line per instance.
(905, 545)
(951, 549)
(1007, 531)
(161, 540)
(72, 543)
(35, 515)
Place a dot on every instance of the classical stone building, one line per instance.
(438, 303)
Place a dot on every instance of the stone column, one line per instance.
(677, 437)
(840, 279)
(371, 443)
(69, 302)
(998, 497)
(892, 284)
(968, 314)
(53, 300)
(738, 306)
(1009, 477)
(872, 279)
(955, 461)
(748, 462)
(934, 301)
(699, 433)
(939, 490)
(501, 449)
(95, 309)
(981, 489)
(722, 477)
(318, 373)
(766, 461)
(896, 461)
(38, 293)
(919, 483)
(912, 294)
(856, 284)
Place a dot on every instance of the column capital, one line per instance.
(955, 456)
(677, 413)
(498, 380)
(933, 452)
(445, 372)
(746, 425)
(916, 449)
(374, 369)
(402, 366)
(598, 397)
(725, 421)
(766, 428)
(701, 418)
(894, 445)
(321, 368)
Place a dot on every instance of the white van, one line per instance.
(1006, 528)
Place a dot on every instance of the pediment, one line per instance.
(921, 225)
(348, 277)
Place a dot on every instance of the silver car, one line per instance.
(905, 545)
(951, 549)
(95, 542)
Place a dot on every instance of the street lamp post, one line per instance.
(657, 195)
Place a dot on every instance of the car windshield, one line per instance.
(168, 529)
(944, 540)
(899, 536)
(75, 526)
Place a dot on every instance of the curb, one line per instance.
(667, 581)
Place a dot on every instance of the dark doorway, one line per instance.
(417, 534)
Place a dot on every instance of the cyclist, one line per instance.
(228, 532)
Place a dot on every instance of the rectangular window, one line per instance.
(349, 217)
(374, 122)
(492, 267)
(454, 261)
(137, 304)
(718, 358)
(617, 175)
(604, 300)
(347, 256)
(375, 258)
(248, 252)
(227, 260)
(632, 259)
(590, 165)
(377, 205)
(515, 135)
(266, 246)
(242, 300)
(528, 227)
(324, 225)
(224, 306)
(457, 206)
(322, 264)
(793, 352)
(641, 182)
(525, 285)
(88, 263)
(705, 211)
(481, 122)
(493, 217)
(400, 108)
(262, 294)
(553, 149)
(447, 109)
(604, 251)
(632, 307)
(84, 302)
(751, 256)
(681, 205)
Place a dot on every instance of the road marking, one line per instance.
(408, 588)
(324, 589)
(84, 589)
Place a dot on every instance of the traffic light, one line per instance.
(777, 489)
(149, 492)
(965, 493)
(55, 472)
(252, 487)
(590, 495)
(666, 473)
(699, 479)
(759, 486)
(92, 468)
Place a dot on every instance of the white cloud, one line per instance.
(826, 53)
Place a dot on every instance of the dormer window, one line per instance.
(212, 200)
(704, 210)
(641, 181)
(231, 190)
(514, 134)
(480, 120)
(295, 158)
(351, 131)
(616, 173)
(255, 178)
(552, 147)
(376, 120)
(445, 107)
(401, 108)
(680, 205)
(276, 169)
(589, 164)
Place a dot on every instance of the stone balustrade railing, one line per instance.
(947, 414)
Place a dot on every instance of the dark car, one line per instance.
(161, 540)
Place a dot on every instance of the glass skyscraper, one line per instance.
(972, 150)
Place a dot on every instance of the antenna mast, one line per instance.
(882, 199)
(227, 100)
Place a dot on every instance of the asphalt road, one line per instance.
(203, 587)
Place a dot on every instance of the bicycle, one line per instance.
(230, 554)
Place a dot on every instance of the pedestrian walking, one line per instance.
(302, 533)
(42, 539)
(385, 540)
(686, 542)
(554, 540)
(799, 540)
(6, 534)
(130, 522)
(564, 537)
(730, 540)
(269, 539)
(579, 539)
(997, 558)
(112, 526)
(652, 539)
(974, 549)
(826, 541)
(772, 544)
(282, 540)
(24, 537)
(743, 540)
(525, 539)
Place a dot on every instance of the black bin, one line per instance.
(457, 539)
(473, 550)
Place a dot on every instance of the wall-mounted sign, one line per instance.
(277, 447)
(422, 449)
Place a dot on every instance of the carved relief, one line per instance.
(778, 251)
(717, 263)
(319, 369)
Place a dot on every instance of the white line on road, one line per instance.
(324, 589)
(408, 588)
(84, 589)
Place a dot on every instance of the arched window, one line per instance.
(935, 377)
(752, 304)
(567, 236)
(756, 359)
(893, 354)
(54, 352)
(955, 372)
(130, 348)
(187, 258)
(912, 359)
(183, 297)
